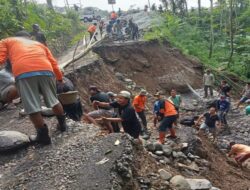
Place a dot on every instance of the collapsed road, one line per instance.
(84, 158)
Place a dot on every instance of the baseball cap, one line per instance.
(125, 94)
(143, 92)
(111, 94)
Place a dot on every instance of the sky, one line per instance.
(124, 4)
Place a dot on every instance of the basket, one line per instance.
(68, 97)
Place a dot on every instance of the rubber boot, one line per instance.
(62, 125)
(42, 136)
(162, 136)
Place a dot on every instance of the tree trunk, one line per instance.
(211, 31)
(231, 34)
(50, 5)
(199, 11)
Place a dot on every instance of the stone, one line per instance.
(119, 76)
(179, 155)
(150, 147)
(158, 146)
(47, 112)
(193, 166)
(159, 153)
(11, 140)
(180, 183)
(214, 188)
(165, 175)
(167, 150)
(199, 184)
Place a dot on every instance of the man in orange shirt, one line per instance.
(91, 30)
(113, 16)
(139, 104)
(34, 69)
(170, 116)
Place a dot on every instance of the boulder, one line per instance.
(11, 140)
(150, 147)
(165, 175)
(159, 153)
(180, 183)
(167, 150)
(199, 184)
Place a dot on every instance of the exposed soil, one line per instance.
(153, 65)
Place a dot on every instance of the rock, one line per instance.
(158, 146)
(180, 183)
(214, 188)
(199, 184)
(129, 81)
(164, 174)
(193, 166)
(10, 140)
(179, 155)
(150, 147)
(159, 153)
(47, 112)
(119, 76)
(167, 150)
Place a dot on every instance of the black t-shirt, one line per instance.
(130, 122)
(211, 120)
(39, 36)
(101, 97)
(225, 89)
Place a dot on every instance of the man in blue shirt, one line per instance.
(223, 108)
(157, 106)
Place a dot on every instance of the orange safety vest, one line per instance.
(140, 101)
(92, 29)
(113, 15)
(169, 109)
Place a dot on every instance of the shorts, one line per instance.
(133, 131)
(4, 93)
(243, 99)
(30, 90)
(167, 122)
(101, 113)
(205, 127)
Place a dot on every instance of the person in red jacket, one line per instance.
(35, 71)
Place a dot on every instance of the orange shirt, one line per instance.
(28, 56)
(113, 16)
(139, 101)
(169, 109)
(92, 28)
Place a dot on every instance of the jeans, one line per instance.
(222, 116)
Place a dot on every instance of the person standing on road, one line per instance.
(38, 35)
(109, 29)
(101, 27)
(208, 81)
(170, 116)
(34, 69)
(139, 104)
(134, 30)
(92, 30)
(211, 119)
(113, 17)
(127, 114)
(245, 95)
(224, 89)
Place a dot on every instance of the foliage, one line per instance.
(191, 35)
(58, 28)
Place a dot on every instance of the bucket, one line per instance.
(68, 97)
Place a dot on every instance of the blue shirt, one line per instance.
(157, 106)
(223, 105)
